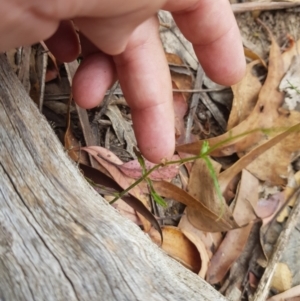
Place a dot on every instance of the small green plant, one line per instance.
(293, 87)
(204, 154)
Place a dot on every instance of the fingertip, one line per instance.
(226, 74)
(155, 131)
(160, 151)
(93, 77)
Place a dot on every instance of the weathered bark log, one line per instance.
(59, 240)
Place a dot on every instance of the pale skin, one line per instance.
(126, 46)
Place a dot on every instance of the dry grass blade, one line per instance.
(226, 176)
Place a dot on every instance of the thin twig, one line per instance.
(106, 101)
(200, 90)
(252, 6)
(193, 104)
(119, 92)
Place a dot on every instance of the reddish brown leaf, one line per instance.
(133, 170)
(119, 177)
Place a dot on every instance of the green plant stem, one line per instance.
(202, 155)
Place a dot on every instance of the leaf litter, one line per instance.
(263, 133)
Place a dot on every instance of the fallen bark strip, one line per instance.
(59, 240)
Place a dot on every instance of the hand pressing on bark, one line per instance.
(120, 40)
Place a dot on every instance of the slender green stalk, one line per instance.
(204, 154)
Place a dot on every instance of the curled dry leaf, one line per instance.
(52, 68)
(205, 242)
(178, 246)
(254, 56)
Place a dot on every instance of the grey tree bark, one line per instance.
(59, 240)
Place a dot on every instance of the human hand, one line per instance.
(129, 37)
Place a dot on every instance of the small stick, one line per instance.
(252, 6)
(194, 104)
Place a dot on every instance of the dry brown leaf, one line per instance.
(201, 186)
(226, 177)
(210, 240)
(229, 250)
(205, 242)
(178, 246)
(272, 165)
(209, 221)
(246, 200)
(245, 97)
(254, 56)
(235, 240)
(173, 58)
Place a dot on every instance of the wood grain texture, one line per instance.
(59, 240)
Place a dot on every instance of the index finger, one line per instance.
(211, 27)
